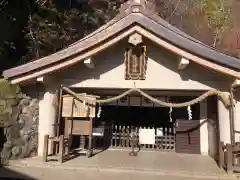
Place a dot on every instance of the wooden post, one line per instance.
(67, 130)
(229, 149)
(61, 148)
(232, 125)
(45, 147)
(90, 135)
(57, 127)
(69, 144)
(52, 148)
(221, 155)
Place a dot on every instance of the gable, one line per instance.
(135, 16)
(162, 72)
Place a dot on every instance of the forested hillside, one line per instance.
(31, 29)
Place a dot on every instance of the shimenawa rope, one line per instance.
(225, 98)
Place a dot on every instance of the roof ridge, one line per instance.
(125, 9)
(144, 4)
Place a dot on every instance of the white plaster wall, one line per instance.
(162, 72)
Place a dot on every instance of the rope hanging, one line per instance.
(171, 105)
(224, 98)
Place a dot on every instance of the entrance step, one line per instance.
(40, 170)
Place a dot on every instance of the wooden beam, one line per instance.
(40, 79)
(236, 83)
(143, 32)
(89, 63)
(183, 63)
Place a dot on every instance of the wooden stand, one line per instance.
(59, 148)
(82, 128)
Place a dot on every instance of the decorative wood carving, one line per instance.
(135, 58)
(135, 39)
(136, 62)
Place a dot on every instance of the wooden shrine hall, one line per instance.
(136, 83)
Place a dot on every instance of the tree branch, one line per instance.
(174, 10)
(33, 38)
(3, 4)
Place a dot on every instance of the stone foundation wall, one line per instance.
(19, 117)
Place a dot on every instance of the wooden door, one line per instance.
(187, 136)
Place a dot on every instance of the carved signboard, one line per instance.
(135, 63)
(74, 108)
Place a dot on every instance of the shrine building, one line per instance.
(181, 94)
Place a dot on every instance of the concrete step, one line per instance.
(38, 169)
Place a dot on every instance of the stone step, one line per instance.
(28, 167)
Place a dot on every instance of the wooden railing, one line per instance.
(229, 157)
(121, 138)
(222, 156)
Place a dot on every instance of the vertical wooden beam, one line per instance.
(229, 149)
(59, 110)
(232, 126)
(90, 138)
(66, 127)
(69, 145)
(45, 147)
(61, 148)
(221, 155)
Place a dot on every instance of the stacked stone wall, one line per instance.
(19, 115)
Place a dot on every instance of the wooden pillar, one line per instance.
(232, 117)
(203, 128)
(229, 150)
(221, 155)
(237, 115)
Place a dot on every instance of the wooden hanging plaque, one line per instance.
(136, 63)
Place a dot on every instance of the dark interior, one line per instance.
(139, 116)
(147, 116)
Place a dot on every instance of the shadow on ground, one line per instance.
(8, 174)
